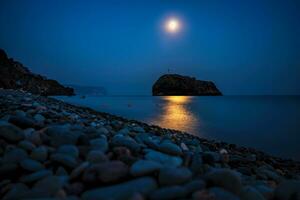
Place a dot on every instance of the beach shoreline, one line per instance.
(138, 153)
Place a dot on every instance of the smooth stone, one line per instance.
(64, 159)
(170, 148)
(168, 193)
(250, 193)
(174, 176)
(265, 190)
(123, 131)
(22, 122)
(106, 172)
(144, 186)
(288, 190)
(144, 167)
(138, 129)
(35, 176)
(7, 169)
(68, 149)
(16, 192)
(221, 194)
(197, 164)
(47, 187)
(31, 165)
(39, 118)
(96, 156)
(164, 159)
(79, 170)
(20, 113)
(126, 141)
(195, 185)
(225, 178)
(11, 133)
(26, 145)
(99, 144)
(14, 155)
(39, 153)
(61, 134)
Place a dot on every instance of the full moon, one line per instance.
(172, 25)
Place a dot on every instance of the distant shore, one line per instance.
(49, 148)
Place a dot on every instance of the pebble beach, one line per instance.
(50, 149)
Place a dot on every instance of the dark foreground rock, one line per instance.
(53, 150)
(174, 84)
(13, 75)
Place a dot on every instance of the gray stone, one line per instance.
(10, 132)
(225, 178)
(39, 153)
(288, 190)
(170, 148)
(39, 118)
(14, 155)
(221, 194)
(144, 186)
(26, 145)
(195, 185)
(35, 176)
(96, 156)
(79, 170)
(61, 134)
(168, 193)
(99, 144)
(250, 193)
(16, 192)
(22, 122)
(126, 141)
(68, 149)
(164, 159)
(138, 129)
(31, 165)
(65, 160)
(174, 176)
(144, 167)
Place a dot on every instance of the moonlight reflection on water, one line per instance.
(176, 114)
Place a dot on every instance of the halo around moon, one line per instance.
(172, 25)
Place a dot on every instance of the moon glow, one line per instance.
(172, 25)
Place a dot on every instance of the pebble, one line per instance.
(22, 122)
(31, 165)
(96, 156)
(126, 141)
(221, 194)
(10, 132)
(168, 193)
(99, 144)
(197, 164)
(39, 118)
(39, 154)
(66, 160)
(26, 145)
(250, 193)
(225, 178)
(35, 176)
(125, 190)
(170, 148)
(68, 149)
(174, 176)
(106, 172)
(164, 159)
(14, 155)
(144, 167)
(194, 185)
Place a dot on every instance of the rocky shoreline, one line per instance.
(54, 150)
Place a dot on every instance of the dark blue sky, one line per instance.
(244, 46)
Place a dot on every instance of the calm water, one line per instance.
(268, 123)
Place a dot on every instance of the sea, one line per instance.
(267, 123)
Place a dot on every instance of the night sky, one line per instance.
(245, 47)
